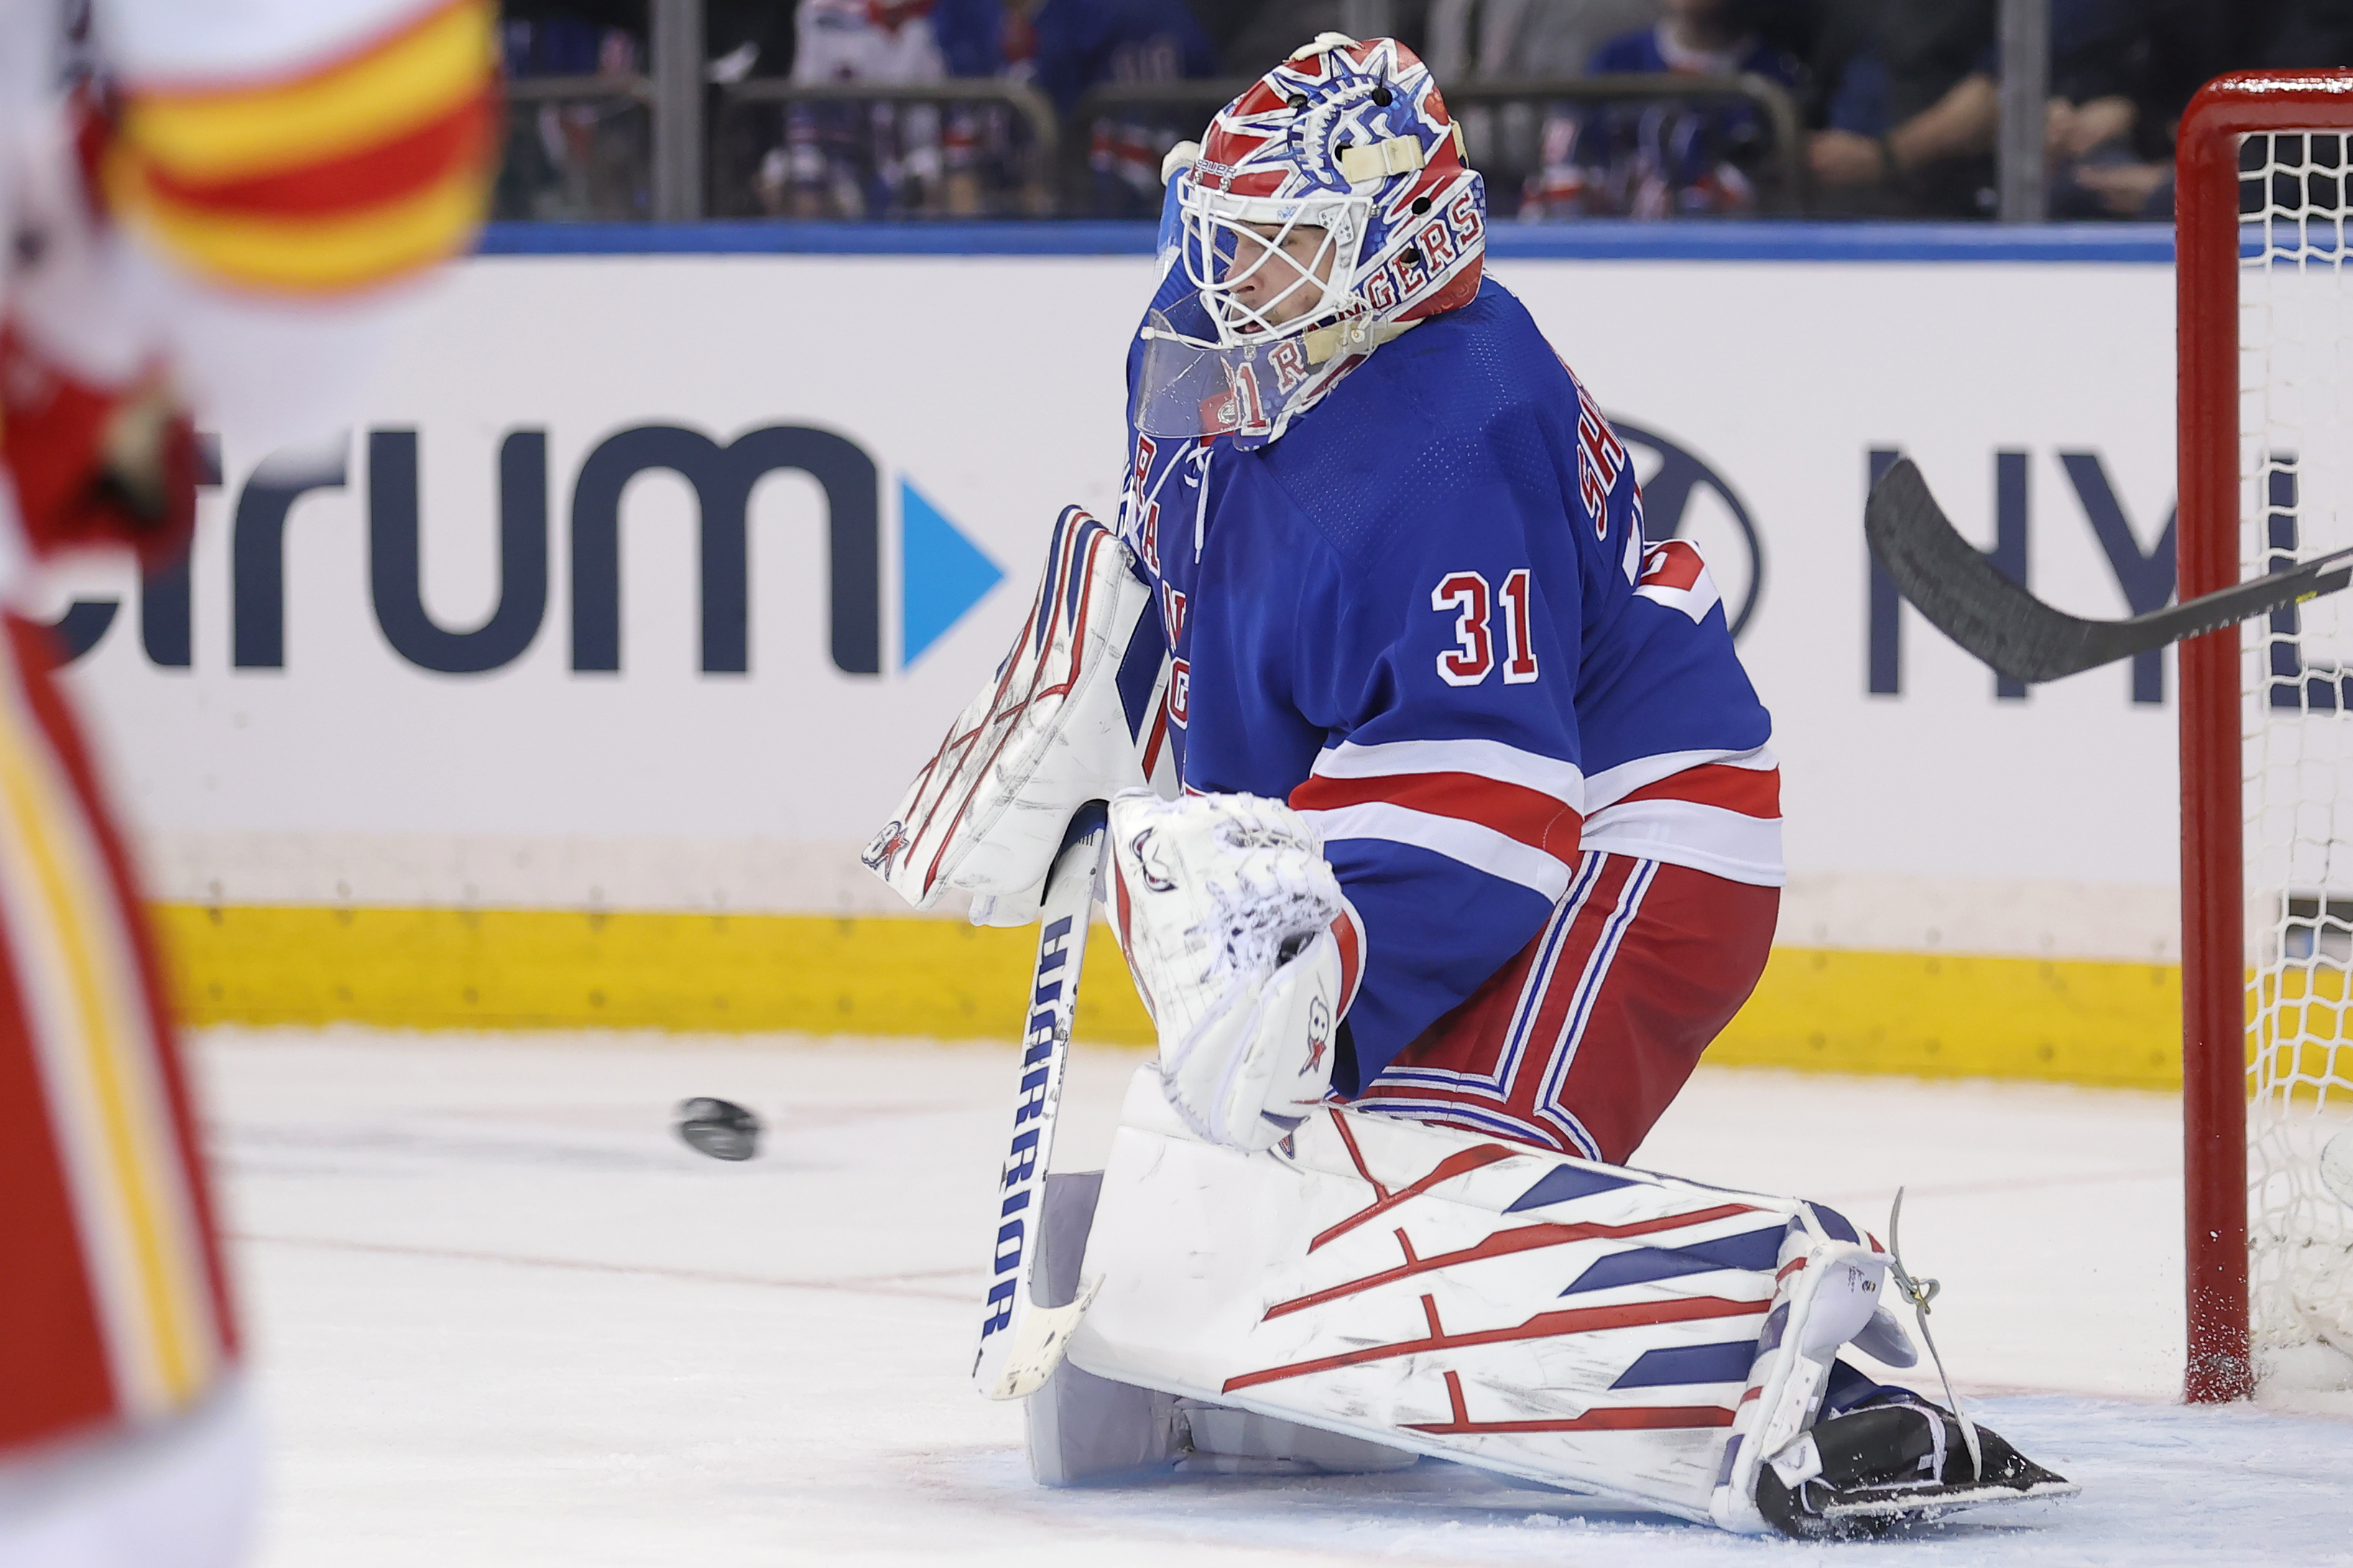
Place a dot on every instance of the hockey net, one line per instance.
(2292, 467)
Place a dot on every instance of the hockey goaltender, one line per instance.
(1444, 836)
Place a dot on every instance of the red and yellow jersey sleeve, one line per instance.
(336, 173)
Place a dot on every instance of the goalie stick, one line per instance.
(1021, 1338)
(1967, 599)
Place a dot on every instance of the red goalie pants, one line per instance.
(1581, 1042)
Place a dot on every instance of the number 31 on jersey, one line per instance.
(1473, 604)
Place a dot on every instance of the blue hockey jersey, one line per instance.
(1427, 617)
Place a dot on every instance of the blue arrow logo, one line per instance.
(942, 574)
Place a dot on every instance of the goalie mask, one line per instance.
(1328, 211)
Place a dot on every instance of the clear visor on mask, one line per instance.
(1186, 387)
(1270, 276)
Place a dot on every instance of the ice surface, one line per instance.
(502, 1316)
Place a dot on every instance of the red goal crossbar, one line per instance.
(2213, 906)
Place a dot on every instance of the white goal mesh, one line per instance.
(2295, 469)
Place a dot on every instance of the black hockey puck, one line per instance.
(718, 1128)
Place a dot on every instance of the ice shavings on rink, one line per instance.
(502, 1316)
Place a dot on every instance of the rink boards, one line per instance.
(482, 719)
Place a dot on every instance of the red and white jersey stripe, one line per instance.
(1676, 575)
(1525, 818)
(1718, 812)
(1509, 813)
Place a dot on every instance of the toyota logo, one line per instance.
(1683, 497)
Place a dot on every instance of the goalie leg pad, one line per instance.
(1087, 1430)
(1244, 951)
(1431, 1290)
(1083, 1430)
(1054, 729)
(1589, 1327)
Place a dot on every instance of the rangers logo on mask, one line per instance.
(1328, 210)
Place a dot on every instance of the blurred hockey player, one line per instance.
(217, 222)
(1463, 843)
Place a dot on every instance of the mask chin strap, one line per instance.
(1352, 336)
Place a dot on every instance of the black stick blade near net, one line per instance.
(1963, 596)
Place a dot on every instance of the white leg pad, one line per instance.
(1428, 1291)
(1083, 1429)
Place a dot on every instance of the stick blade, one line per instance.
(1040, 1338)
(1952, 584)
(1999, 622)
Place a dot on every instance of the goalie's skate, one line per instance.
(1867, 1471)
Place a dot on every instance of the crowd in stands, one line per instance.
(1896, 103)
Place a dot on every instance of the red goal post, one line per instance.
(2227, 479)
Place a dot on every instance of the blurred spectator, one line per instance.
(852, 160)
(1909, 101)
(2184, 44)
(1074, 46)
(1901, 97)
(1664, 158)
(1082, 43)
(1494, 41)
(585, 157)
(584, 39)
(2109, 135)
(2096, 51)
(2178, 46)
(1906, 106)
(1221, 20)
(1269, 30)
(1501, 40)
(2306, 35)
(745, 38)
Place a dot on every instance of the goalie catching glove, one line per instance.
(1054, 729)
(1244, 951)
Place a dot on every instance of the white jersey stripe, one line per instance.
(1481, 848)
(1485, 759)
(1708, 838)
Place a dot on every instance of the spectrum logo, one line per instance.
(943, 574)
